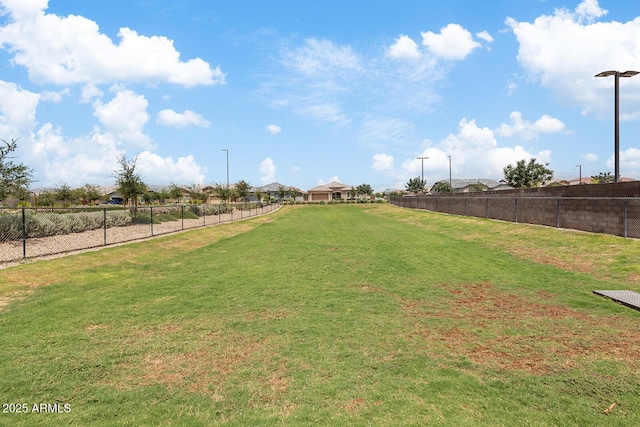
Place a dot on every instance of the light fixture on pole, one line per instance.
(422, 158)
(580, 166)
(617, 75)
(227, 150)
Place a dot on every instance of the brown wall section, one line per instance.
(598, 208)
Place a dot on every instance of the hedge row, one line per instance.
(43, 224)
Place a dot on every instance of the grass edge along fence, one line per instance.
(32, 232)
(619, 216)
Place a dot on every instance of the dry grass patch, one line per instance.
(207, 362)
(507, 331)
(532, 242)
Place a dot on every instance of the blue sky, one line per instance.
(307, 92)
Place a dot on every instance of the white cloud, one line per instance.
(181, 120)
(90, 159)
(17, 109)
(267, 171)
(475, 153)
(93, 159)
(484, 35)
(326, 112)
(374, 131)
(67, 50)
(89, 93)
(404, 48)
(317, 57)
(527, 130)
(55, 97)
(454, 42)
(319, 79)
(332, 179)
(156, 169)
(590, 157)
(589, 10)
(274, 129)
(565, 50)
(629, 162)
(125, 115)
(382, 162)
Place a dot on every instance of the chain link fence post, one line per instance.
(24, 233)
(625, 217)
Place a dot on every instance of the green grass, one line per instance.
(328, 315)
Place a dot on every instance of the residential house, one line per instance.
(470, 185)
(328, 192)
(274, 191)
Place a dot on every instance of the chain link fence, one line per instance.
(34, 232)
(619, 216)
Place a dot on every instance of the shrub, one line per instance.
(39, 223)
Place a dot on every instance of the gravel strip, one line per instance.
(11, 252)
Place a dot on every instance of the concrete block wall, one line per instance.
(597, 208)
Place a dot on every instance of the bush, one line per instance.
(39, 223)
(10, 226)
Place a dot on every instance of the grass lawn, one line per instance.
(327, 315)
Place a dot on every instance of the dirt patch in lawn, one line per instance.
(507, 331)
(203, 363)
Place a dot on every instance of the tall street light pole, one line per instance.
(580, 166)
(227, 150)
(422, 158)
(449, 171)
(617, 75)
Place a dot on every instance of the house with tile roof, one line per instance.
(333, 191)
(469, 185)
(274, 191)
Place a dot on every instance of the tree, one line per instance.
(527, 175)
(603, 178)
(149, 196)
(281, 192)
(196, 194)
(163, 195)
(293, 192)
(128, 182)
(242, 189)
(63, 194)
(442, 187)
(88, 193)
(14, 177)
(224, 193)
(258, 194)
(477, 187)
(46, 198)
(175, 192)
(364, 189)
(416, 185)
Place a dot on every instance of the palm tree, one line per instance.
(282, 191)
(258, 194)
